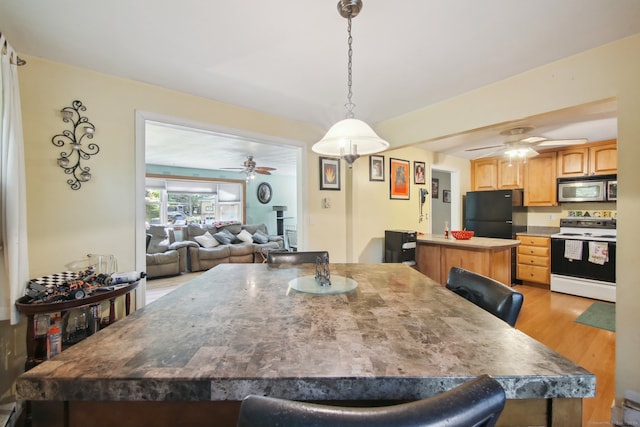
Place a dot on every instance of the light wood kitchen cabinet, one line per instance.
(603, 158)
(496, 174)
(573, 162)
(510, 174)
(534, 263)
(593, 159)
(540, 188)
(484, 174)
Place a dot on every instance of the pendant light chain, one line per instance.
(350, 138)
(349, 105)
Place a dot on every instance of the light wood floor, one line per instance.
(549, 318)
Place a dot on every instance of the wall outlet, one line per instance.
(551, 218)
(326, 203)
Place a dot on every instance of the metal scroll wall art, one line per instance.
(72, 142)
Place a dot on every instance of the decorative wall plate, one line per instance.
(264, 193)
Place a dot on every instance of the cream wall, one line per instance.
(603, 73)
(65, 225)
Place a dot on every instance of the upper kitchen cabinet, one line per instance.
(540, 180)
(496, 174)
(600, 158)
(484, 174)
(510, 174)
(603, 158)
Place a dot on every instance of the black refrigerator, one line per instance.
(498, 214)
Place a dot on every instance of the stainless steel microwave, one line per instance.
(612, 190)
(587, 189)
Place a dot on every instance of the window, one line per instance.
(184, 201)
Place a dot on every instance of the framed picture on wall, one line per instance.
(435, 184)
(446, 196)
(329, 173)
(418, 172)
(376, 168)
(399, 176)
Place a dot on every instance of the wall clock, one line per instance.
(264, 193)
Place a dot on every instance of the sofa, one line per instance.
(164, 258)
(208, 246)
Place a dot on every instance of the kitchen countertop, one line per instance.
(539, 231)
(240, 329)
(474, 242)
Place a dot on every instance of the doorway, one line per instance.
(445, 200)
(239, 140)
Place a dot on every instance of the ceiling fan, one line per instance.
(519, 143)
(250, 169)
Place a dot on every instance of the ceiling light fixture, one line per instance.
(519, 144)
(519, 152)
(350, 138)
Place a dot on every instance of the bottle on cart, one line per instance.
(54, 340)
(130, 277)
(446, 229)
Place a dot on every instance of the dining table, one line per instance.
(378, 334)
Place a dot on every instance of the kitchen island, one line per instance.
(435, 255)
(192, 355)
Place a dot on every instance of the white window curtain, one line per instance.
(14, 264)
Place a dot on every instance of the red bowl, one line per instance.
(462, 234)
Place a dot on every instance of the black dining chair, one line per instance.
(496, 298)
(478, 402)
(282, 257)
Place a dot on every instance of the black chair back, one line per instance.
(478, 402)
(278, 257)
(496, 298)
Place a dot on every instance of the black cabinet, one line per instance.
(400, 246)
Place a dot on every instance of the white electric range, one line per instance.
(583, 258)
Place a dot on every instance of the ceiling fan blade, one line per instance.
(264, 168)
(239, 169)
(492, 153)
(484, 148)
(554, 142)
(262, 172)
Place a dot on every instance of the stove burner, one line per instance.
(570, 234)
(607, 236)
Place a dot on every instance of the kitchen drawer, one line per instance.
(541, 261)
(533, 273)
(534, 250)
(534, 240)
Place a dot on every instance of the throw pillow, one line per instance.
(207, 240)
(245, 236)
(224, 238)
(260, 237)
(230, 233)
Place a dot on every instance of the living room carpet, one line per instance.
(599, 315)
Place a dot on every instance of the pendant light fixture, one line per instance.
(350, 138)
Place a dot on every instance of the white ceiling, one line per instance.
(289, 58)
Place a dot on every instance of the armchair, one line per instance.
(164, 258)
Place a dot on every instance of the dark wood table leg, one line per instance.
(112, 310)
(127, 303)
(31, 343)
